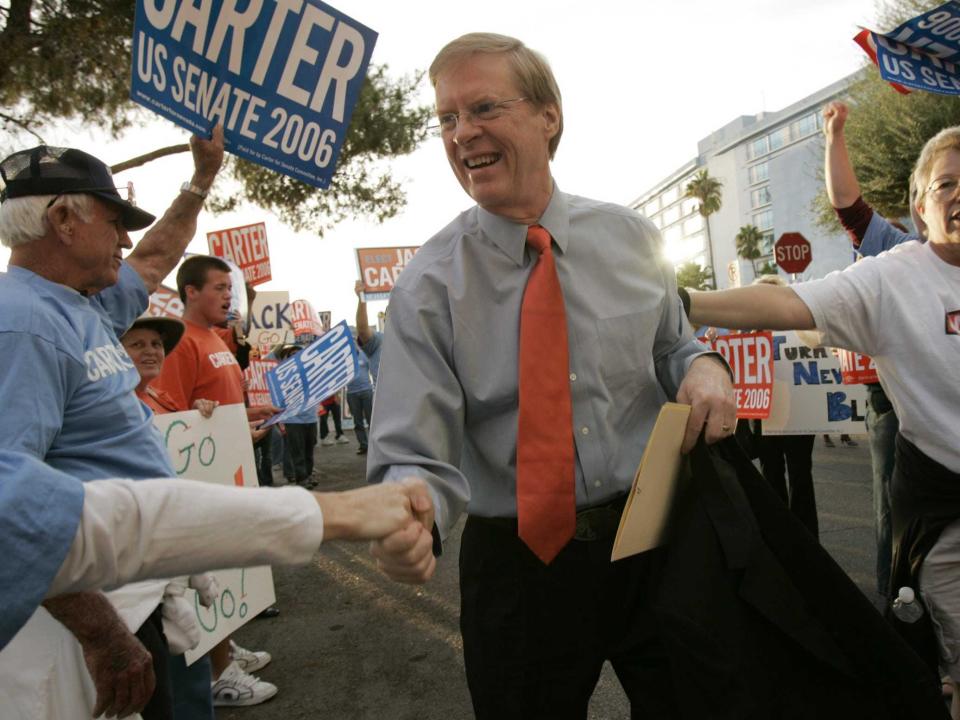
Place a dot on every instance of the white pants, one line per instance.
(43, 675)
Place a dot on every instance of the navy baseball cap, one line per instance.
(63, 171)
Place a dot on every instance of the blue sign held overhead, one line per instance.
(923, 53)
(281, 77)
(315, 373)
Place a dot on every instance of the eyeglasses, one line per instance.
(481, 112)
(943, 188)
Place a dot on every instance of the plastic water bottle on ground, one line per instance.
(906, 607)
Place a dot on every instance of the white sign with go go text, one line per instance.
(218, 450)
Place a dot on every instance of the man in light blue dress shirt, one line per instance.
(535, 635)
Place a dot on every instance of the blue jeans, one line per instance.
(361, 407)
(334, 412)
(276, 445)
(882, 430)
(191, 688)
(263, 455)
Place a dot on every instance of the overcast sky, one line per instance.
(642, 82)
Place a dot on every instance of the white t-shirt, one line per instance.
(903, 309)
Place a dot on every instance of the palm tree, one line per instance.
(768, 268)
(692, 275)
(750, 245)
(706, 189)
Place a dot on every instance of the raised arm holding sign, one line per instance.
(921, 54)
(281, 78)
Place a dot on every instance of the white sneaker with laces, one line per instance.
(343, 440)
(328, 441)
(249, 660)
(236, 688)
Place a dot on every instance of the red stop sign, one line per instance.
(792, 252)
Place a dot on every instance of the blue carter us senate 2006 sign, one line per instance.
(281, 76)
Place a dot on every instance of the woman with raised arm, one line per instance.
(903, 309)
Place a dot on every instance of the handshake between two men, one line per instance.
(376, 512)
(173, 523)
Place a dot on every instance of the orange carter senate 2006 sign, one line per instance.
(246, 247)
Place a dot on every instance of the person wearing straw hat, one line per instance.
(148, 341)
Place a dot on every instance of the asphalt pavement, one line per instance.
(350, 644)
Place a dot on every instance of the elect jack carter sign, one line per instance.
(281, 76)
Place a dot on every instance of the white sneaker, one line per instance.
(343, 440)
(235, 687)
(249, 660)
(328, 441)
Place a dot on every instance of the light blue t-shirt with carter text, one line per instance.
(68, 386)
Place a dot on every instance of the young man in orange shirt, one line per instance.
(202, 366)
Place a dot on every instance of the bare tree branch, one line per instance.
(144, 159)
(22, 124)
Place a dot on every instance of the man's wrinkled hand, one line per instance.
(406, 555)
(708, 389)
(207, 157)
(122, 672)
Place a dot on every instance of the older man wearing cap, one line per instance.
(68, 392)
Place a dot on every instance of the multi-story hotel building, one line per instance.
(771, 169)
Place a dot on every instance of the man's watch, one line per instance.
(194, 190)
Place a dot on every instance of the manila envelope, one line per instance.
(644, 519)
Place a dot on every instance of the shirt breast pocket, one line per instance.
(626, 349)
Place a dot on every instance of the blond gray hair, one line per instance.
(531, 71)
(770, 279)
(946, 139)
(25, 219)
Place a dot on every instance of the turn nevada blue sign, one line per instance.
(281, 76)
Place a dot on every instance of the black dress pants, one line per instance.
(263, 455)
(299, 444)
(783, 456)
(334, 412)
(535, 636)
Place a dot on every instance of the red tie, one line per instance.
(546, 503)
